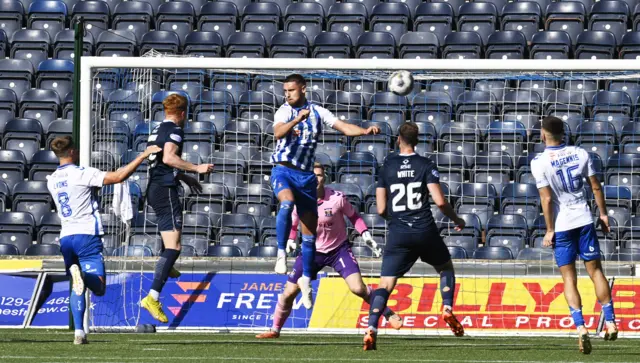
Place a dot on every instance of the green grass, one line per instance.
(56, 346)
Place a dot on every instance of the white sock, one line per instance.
(445, 307)
(79, 333)
(154, 294)
(375, 330)
(282, 253)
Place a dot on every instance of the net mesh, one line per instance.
(481, 128)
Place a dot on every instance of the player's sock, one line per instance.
(166, 261)
(576, 314)
(308, 254)
(283, 223)
(387, 313)
(378, 305)
(78, 306)
(447, 286)
(280, 316)
(609, 314)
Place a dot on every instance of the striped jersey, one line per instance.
(299, 146)
(562, 168)
(73, 189)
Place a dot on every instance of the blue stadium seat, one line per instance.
(565, 104)
(214, 106)
(248, 132)
(55, 75)
(493, 253)
(24, 135)
(176, 16)
(13, 167)
(480, 17)
(43, 250)
(476, 198)
(525, 17)
(630, 88)
(151, 241)
(451, 166)
(4, 44)
(263, 251)
(289, 45)
(204, 43)
(352, 192)
(134, 16)
(9, 250)
(8, 107)
(419, 45)
(457, 253)
(612, 102)
(361, 163)
(123, 105)
(346, 105)
(306, 18)
(17, 75)
(567, 16)
(218, 17)
(42, 105)
(263, 18)
(43, 163)
(94, 14)
(506, 45)
(31, 45)
(238, 224)
(550, 45)
(4, 194)
(630, 135)
(377, 45)
(435, 17)
(133, 251)
(610, 16)
(12, 15)
(349, 18)
(493, 167)
(476, 106)
(163, 41)
(47, 15)
(224, 251)
(383, 105)
(244, 243)
(455, 4)
(536, 254)
(432, 107)
(197, 225)
(521, 199)
(18, 228)
(468, 238)
(334, 44)
(199, 245)
(462, 45)
(630, 45)
(595, 45)
(119, 43)
(622, 169)
(393, 18)
(246, 44)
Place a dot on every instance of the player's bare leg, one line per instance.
(283, 309)
(447, 288)
(151, 303)
(283, 226)
(358, 288)
(603, 293)
(309, 221)
(571, 294)
(377, 307)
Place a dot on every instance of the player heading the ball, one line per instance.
(72, 188)
(402, 196)
(559, 172)
(297, 125)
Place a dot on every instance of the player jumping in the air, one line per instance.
(165, 170)
(558, 172)
(296, 127)
(332, 249)
(72, 188)
(402, 196)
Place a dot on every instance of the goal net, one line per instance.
(479, 121)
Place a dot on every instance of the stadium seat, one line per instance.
(263, 251)
(55, 75)
(536, 254)
(349, 18)
(47, 15)
(306, 18)
(476, 107)
(263, 18)
(433, 107)
(525, 17)
(455, 5)
(176, 16)
(218, 17)
(134, 16)
(610, 16)
(12, 16)
(520, 199)
(8, 250)
(4, 44)
(436, 18)
(457, 253)
(383, 105)
(163, 41)
(94, 14)
(255, 199)
(595, 45)
(43, 163)
(247, 45)
(8, 107)
(244, 243)
(630, 45)
(462, 45)
(476, 198)
(197, 225)
(42, 105)
(31, 45)
(17, 75)
(199, 245)
(237, 224)
(392, 17)
(43, 250)
(24, 135)
(117, 43)
(13, 166)
(480, 17)
(467, 238)
(204, 43)
(133, 251)
(153, 242)
(289, 45)
(550, 45)
(332, 45)
(419, 45)
(567, 16)
(352, 192)
(506, 45)
(565, 104)
(451, 166)
(612, 102)
(345, 105)
(493, 253)
(224, 251)
(376, 45)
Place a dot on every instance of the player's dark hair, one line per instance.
(554, 126)
(409, 133)
(296, 78)
(62, 145)
(175, 103)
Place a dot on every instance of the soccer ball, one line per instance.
(401, 83)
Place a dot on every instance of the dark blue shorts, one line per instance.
(582, 240)
(166, 204)
(84, 250)
(302, 184)
(404, 247)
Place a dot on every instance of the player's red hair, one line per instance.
(175, 103)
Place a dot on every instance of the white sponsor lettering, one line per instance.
(634, 324)
(485, 322)
(544, 322)
(521, 320)
(566, 322)
(264, 299)
(430, 321)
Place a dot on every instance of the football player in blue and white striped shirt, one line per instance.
(297, 125)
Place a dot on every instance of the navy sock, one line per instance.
(283, 223)
(576, 314)
(308, 255)
(379, 303)
(447, 286)
(163, 267)
(78, 306)
(609, 314)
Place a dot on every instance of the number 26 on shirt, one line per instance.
(413, 196)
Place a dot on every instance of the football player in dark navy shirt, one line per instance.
(402, 196)
(166, 171)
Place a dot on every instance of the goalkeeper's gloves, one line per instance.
(366, 236)
(291, 246)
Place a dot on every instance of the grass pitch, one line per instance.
(55, 346)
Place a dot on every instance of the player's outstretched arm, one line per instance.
(598, 194)
(547, 211)
(443, 204)
(170, 157)
(120, 175)
(354, 130)
(381, 201)
(282, 129)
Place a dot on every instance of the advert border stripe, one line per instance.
(20, 265)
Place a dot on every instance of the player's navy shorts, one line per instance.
(404, 247)
(302, 184)
(85, 250)
(341, 259)
(166, 204)
(581, 240)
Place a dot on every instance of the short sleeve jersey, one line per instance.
(562, 168)
(159, 172)
(405, 178)
(299, 146)
(73, 189)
